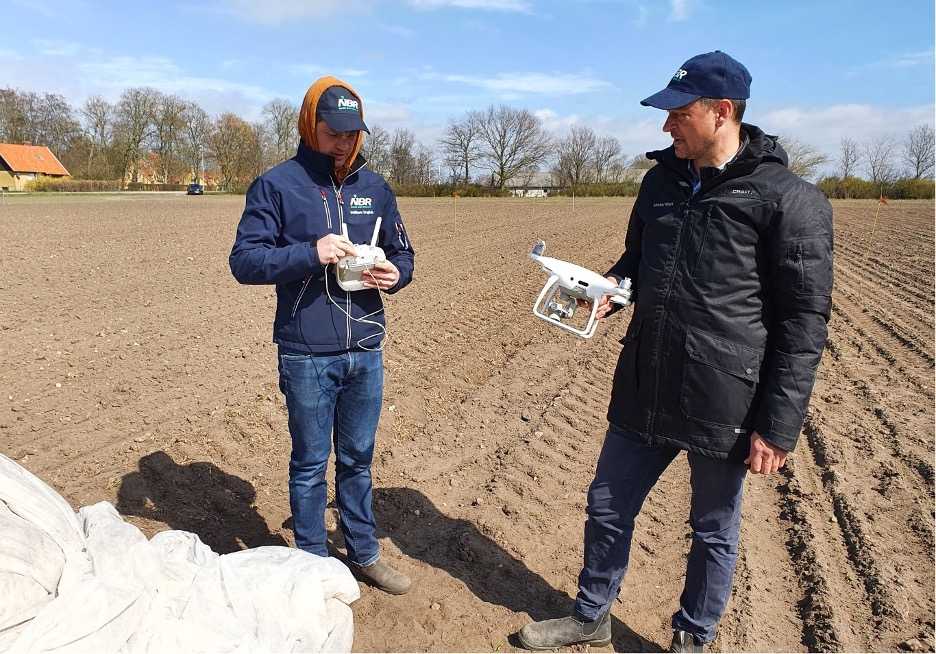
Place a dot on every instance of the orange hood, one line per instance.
(307, 120)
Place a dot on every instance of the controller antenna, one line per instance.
(373, 241)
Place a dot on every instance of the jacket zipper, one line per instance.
(340, 201)
(328, 223)
(664, 318)
(327, 210)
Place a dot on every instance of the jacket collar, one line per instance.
(758, 148)
(324, 164)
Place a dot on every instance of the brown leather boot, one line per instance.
(382, 576)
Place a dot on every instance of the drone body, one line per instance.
(569, 283)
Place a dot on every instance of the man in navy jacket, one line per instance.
(330, 340)
(730, 255)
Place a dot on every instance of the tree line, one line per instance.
(169, 140)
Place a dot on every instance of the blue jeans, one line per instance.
(333, 396)
(627, 470)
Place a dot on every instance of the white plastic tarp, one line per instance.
(90, 582)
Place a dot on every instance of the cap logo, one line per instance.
(346, 104)
(680, 74)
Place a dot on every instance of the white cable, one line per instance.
(363, 319)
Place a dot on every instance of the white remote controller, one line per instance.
(352, 271)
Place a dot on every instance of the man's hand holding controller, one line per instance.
(332, 247)
(383, 275)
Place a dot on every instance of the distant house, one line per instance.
(20, 164)
(532, 185)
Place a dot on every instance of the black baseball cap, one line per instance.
(341, 109)
(709, 75)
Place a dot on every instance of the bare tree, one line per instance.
(377, 150)
(461, 144)
(195, 139)
(804, 160)
(98, 116)
(168, 128)
(281, 118)
(607, 150)
(37, 119)
(13, 116)
(918, 151)
(402, 157)
(233, 146)
(879, 156)
(513, 140)
(640, 162)
(260, 152)
(425, 166)
(575, 156)
(134, 117)
(849, 156)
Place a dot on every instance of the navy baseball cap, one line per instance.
(341, 109)
(709, 75)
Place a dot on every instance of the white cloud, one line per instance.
(553, 122)
(680, 10)
(913, 59)
(897, 61)
(51, 48)
(513, 85)
(636, 135)
(643, 16)
(313, 70)
(276, 12)
(388, 115)
(163, 74)
(485, 5)
(825, 127)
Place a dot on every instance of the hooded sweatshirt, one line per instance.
(307, 120)
(287, 210)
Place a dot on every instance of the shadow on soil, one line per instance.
(462, 550)
(197, 497)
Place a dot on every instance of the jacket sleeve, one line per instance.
(629, 263)
(258, 257)
(395, 242)
(799, 244)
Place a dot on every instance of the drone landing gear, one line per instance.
(556, 304)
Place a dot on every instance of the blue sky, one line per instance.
(821, 70)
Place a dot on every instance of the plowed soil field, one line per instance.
(134, 369)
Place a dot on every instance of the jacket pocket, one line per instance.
(720, 379)
(626, 374)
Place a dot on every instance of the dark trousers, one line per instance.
(627, 470)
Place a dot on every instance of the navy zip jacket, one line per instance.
(733, 293)
(288, 209)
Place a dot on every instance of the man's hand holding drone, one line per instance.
(604, 304)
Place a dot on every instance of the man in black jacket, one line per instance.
(731, 257)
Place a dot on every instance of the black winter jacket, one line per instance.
(733, 293)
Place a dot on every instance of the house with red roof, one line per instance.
(20, 164)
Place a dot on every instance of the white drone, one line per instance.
(569, 283)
